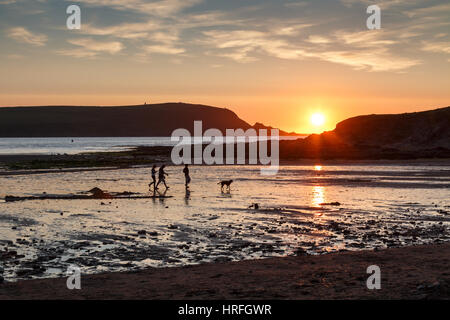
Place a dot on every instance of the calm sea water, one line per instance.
(68, 145)
(75, 145)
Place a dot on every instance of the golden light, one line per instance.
(318, 168)
(318, 196)
(317, 119)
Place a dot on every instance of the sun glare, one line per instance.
(317, 119)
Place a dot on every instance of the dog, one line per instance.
(226, 183)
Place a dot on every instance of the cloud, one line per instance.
(428, 11)
(125, 30)
(296, 4)
(21, 34)
(158, 34)
(7, 2)
(440, 47)
(360, 50)
(164, 49)
(156, 8)
(250, 33)
(371, 60)
(77, 53)
(383, 4)
(91, 48)
(366, 38)
(15, 56)
(318, 39)
(240, 44)
(291, 30)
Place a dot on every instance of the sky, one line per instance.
(276, 62)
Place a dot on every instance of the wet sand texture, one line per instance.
(419, 272)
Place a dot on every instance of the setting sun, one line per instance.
(317, 119)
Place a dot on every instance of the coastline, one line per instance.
(22, 164)
(414, 272)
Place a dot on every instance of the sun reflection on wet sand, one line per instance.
(318, 196)
(202, 224)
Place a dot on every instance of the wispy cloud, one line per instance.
(296, 4)
(372, 60)
(156, 8)
(91, 48)
(441, 9)
(366, 38)
(125, 30)
(241, 44)
(23, 35)
(318, 39)
(164, 49)
(440, 47)
(247, 34)
(383, 4)
(362, 50)
(7, 1)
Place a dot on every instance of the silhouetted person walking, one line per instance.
(186, 176)
(153, 178)
(162, 177)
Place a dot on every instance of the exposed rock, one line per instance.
(330, 204)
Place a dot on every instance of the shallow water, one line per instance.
(380, 206)
(68, 145)
(75, 145)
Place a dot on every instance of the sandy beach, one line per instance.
(416, 272)
(315, 209)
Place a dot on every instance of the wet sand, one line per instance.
(416, 272)
(19, 164)
(380, 206)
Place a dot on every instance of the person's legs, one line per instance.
(153, 183)
(188, 180)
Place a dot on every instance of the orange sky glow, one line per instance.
(313, 57)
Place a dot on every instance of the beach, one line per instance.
(316, 228)
(316, 209)
(415, 272)
(225, 150)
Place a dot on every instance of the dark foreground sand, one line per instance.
(419, 272)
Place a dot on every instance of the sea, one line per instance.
(75, 145)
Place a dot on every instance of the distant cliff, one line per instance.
(391, 136)
(127, 121)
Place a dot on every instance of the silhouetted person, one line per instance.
(162, 177)
(186, 176)
(153, 178)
